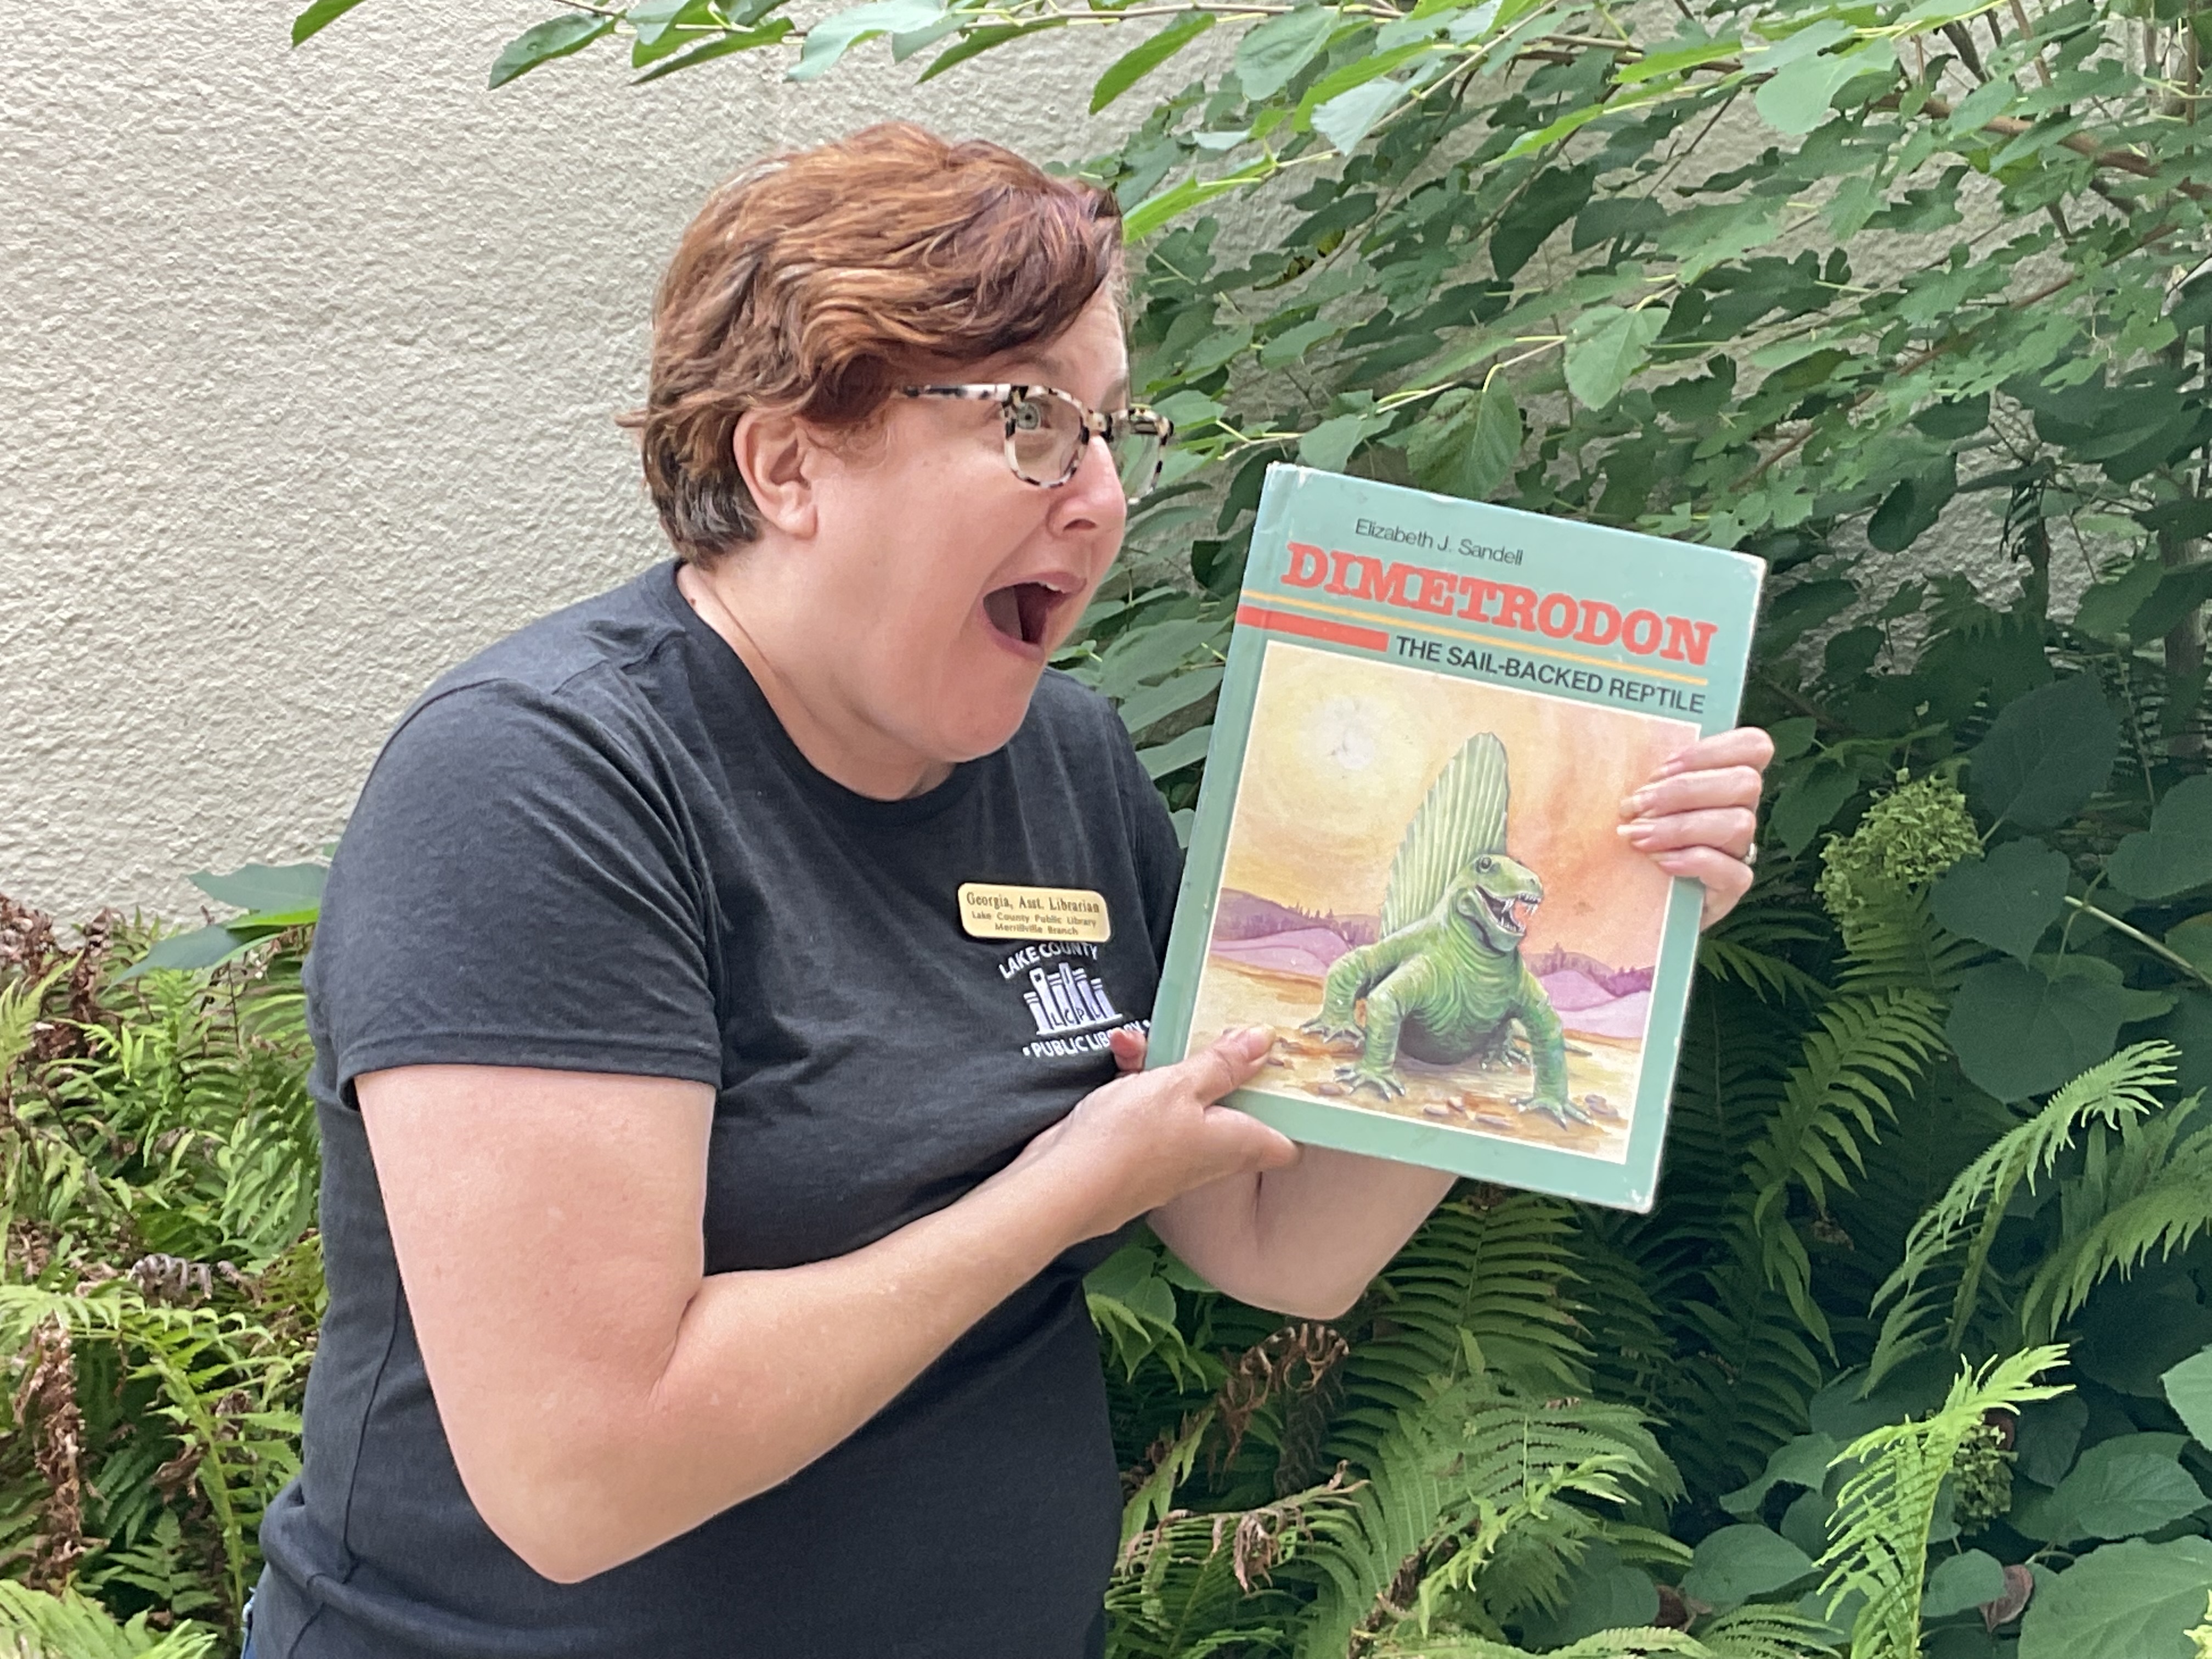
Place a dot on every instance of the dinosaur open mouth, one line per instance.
(1509, 914)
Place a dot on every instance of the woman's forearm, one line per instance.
(769, 1369)
(1304, 1240)
(600, 1393)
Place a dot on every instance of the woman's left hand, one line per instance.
(1697, 816)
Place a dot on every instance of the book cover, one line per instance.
(1405, 858)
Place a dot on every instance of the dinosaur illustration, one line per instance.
(1445, 983)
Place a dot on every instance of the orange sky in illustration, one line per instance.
(1343, 748)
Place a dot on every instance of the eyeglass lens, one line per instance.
(1047, 443)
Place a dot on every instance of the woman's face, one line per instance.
(944, 582)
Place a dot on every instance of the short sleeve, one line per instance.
(1153, 838)
(514, 888)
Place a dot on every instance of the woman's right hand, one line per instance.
(1147, 1137)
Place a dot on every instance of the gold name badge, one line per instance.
(989, 910)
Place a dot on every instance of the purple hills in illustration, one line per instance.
(1590, 996)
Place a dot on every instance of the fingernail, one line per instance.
(1631, 804)
(1673, 764)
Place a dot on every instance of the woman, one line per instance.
(705, 1250)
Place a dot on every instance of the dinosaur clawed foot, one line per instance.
(1363, 1077)
(1561, 1111)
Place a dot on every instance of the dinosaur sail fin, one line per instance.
(1463, 815)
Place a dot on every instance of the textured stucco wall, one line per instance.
(307, 366)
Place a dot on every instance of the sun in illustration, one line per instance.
(1344, 733)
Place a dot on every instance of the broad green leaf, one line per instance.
(1149, 215)
(1675, 60)
(1960, 1582)
(2046, 754)
(1737, 1563)
(1170, 696)
(2191, 941)
(1468, 448)
(1292, 346)
(976, 42)
(838, 34)
(1603, 1592)
(2116, 1497)
(265, 886)
(1329, 445)
(2131, 1600)
(1803, 809)
(1792, 737)
(2017, 1031)
(1604, 347)
(1797, 99)
(1802, 606)
(2189, 1391)
(541, 42)
(2175, 853)
(2007, 899)
(1176, 753)
(319, 16)
(1801, 1462)
(203, 947)
(653, 18)
(1547, 202)
(2108, 608)
(2180, 593)
(1346, 118)
(1270, 57)
(1132, 66)
(720, 45)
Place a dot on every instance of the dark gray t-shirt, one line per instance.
(594, 848)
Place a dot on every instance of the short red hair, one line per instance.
(810, 284)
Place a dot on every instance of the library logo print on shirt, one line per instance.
(1067, 1000)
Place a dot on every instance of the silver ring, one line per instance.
(1751, 854)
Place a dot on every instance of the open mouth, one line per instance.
(1511, 914)
(1023, 611)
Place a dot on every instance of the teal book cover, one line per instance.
(1405, 858)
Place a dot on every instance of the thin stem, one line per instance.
(2164, 952)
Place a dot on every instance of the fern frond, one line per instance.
(1454, 1479)
(1754, 1632)
(1894, 943)
(2145, 1188)
(36, 1625)
(218, 1396)
(1963, 1222)
(1866, 1045)
(1490, 1265)
(1877, 1535)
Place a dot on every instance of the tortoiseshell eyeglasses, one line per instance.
(1047, 430)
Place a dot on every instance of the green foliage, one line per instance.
(37, 1626)
(1886, 1512)
(162, 1283)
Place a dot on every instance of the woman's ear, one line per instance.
(780, 460)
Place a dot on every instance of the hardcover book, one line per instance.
(1405, 859)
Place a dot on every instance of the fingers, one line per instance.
(1723, 785)
(1229, 1062)
(1129, 1046)
(1728, 828)
(1745, 745)
(1725, 879)
(1252, 1144)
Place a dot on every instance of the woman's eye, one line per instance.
(1028, 417)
